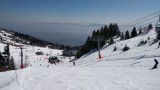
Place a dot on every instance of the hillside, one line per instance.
(116, 70)
(148, 50)
(14, 37)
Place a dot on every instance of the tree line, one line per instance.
(134, 32)
(38, 42)
(107, 35)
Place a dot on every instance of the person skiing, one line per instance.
(156, 63)
(74, 63)
(47, 66)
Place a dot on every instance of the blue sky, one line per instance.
(70, 22)
(75, 11)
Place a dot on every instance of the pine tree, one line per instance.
(94, 33)
(98, 33)
(7, 53)
(127, 35)
(0, 38)
(122, 36)
(117, 30)
(78, 54)
(110, 30)
(2, 62)
(111, 41)
(88, 40)
(62, 47)
(134, 32)
(11, 64)
(150, 27)
(106, 32)
(102, 32)
(6, 50)
(87, 44)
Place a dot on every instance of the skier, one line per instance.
(159, 45)
(74, 63)
(47, 66)
(156, 63)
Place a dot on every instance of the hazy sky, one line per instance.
(69, 22)
(75, 11)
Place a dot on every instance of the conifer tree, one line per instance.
(110, 30)
(78, 54)
(106, 32)
(2, 61)
(117, 30)
(7, 53)
(102, 31)
(127, 35)
(150, 26)
(122, 36)
(88, 40)
(111, 41)
(94, 33)
(87, 43)
(134, 32)
(11, 64)
(0, 38)
(98, 33)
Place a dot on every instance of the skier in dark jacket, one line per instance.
(159, 45)
(74, 63)
(156, 63)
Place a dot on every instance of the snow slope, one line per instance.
(117, 70)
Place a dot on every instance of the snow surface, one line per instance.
(116, 70)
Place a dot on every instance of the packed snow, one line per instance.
(116, 70)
